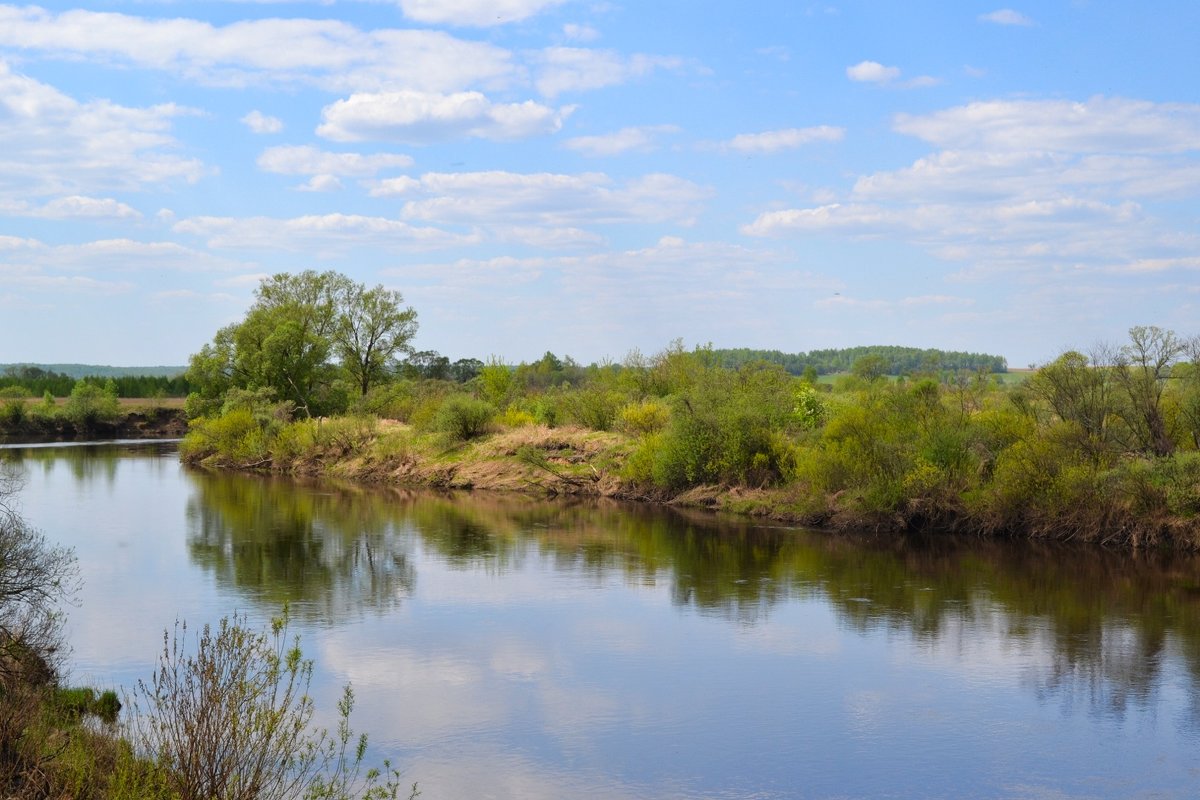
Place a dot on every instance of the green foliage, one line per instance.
(105, 705)
(90, 405)
(592, 407)
(13, 408)
(516, 417)
(727, 427)
(496, 382)
(897, 360)
(809, 409)
(237, 436)
(310, 338)
(643, 418)
(462, 417)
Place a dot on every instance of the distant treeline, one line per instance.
(99, 370)
(37, 380)
(898, 360)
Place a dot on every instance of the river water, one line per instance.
(504, 647)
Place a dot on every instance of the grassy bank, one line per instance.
(931, 453)
(50, 419)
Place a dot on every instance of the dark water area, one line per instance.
(507, 647)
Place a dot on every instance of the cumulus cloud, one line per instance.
(474, 13)
(259, 122)
(416, 117)
(307, 160)
(1028, 185)
(785, 139)
(331, 54)
(553, 200)
(872, 72)
(51, 143)
(1006, 16)
(637, 139)
(575, 69)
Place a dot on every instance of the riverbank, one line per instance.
(573, 461)
(132, 423)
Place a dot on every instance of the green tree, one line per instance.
(90, 405)
(1141, 369)
(303, 335)
(870, 367)
(372, 330)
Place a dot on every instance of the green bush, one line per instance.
(236, 436)
(462, 417)
(90, 405)
(592, 407)
(644, 418)
(13, 411)
(728, 428)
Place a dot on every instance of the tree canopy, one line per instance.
(309, 339)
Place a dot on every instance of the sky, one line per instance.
(592, 178)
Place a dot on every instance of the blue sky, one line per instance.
(594, 177)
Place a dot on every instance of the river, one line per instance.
(507, 647)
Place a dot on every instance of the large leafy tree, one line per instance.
(305, 338)
(371, 332)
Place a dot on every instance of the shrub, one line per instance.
(90, 405)
(516, 417)
(13, 412)
(236, 436)
(644, 418)
(389, 401)
(592, 407)
(462, 417)
(233, 720)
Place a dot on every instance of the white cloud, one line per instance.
(327, 53)
(421, 117)
(259, 122)
(1028, 187)
(34, 258)
(580, 33)
(474, 13)
(575, 69)
(72, 207)
(1006, 16)
(320, 183)
(53, 144)
(307, 160)
(786, 139)
(872, 72)
(320, 234)
(1101, 124)
(553, 200)
(639, 139)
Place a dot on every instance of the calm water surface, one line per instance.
(502, 647)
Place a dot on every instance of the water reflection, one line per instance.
(509, 647)
(329, 553)
(88, 462)
(1093, 623)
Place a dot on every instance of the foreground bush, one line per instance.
(233, 720)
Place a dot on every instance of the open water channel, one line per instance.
(505, 647)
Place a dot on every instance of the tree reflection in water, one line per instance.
(1096, 625)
